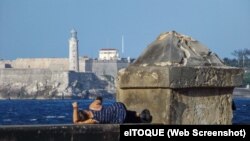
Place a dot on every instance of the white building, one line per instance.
(108, 54)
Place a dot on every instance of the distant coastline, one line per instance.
(241, 92)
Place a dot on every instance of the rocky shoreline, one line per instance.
(47, 84)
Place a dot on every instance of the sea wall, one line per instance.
(62, 132)
(46, 83)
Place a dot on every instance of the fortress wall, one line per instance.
(49, 78)
(100, 67)
(103, 67)
(87, 81)
(85, 64)
(75, 76)
(60, 82)
(4, 63)
(32, 83)
(47, 84)
(61, 64)
(24, 76)
(42, 63)
(122, 64)
(111, 67)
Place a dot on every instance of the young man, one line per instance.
(114, 113)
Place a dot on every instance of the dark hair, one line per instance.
(99, 98)
(82, 115)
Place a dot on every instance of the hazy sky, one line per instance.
(41, 28)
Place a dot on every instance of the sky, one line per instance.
(41, 28)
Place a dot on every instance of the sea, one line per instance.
(33, 112)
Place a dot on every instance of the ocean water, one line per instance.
(28, 112)
(242, 113)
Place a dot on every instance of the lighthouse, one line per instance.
(73, 52)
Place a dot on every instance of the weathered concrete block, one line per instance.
(179, 77)
(180, 81)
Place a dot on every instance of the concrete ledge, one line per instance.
(179, 77)
(61, 132)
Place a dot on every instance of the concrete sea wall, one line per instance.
(68, 132)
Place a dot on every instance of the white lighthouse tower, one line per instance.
(73, 52)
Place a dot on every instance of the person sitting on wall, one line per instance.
(115, 113)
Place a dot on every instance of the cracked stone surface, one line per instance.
(174, 49)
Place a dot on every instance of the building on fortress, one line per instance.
(108, 54)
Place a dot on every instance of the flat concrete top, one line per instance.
(179, 77)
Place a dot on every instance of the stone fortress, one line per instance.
(71, 77)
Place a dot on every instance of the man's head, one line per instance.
(145, 116)
(99, 98)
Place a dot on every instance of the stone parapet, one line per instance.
(179, 77)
